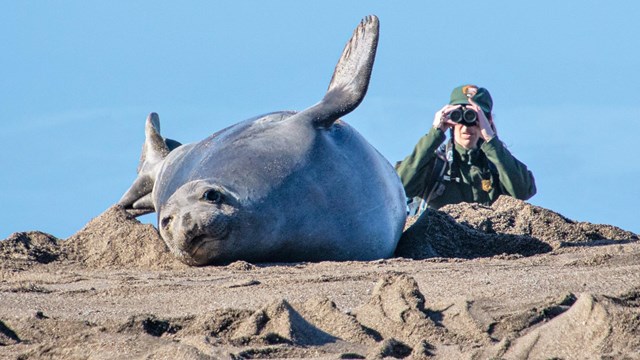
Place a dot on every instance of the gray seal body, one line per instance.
(284, 186)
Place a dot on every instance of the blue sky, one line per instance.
(79, 78)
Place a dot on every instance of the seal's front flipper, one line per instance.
(142, 206)
(141, 187)
(350, 78)
(138, 198)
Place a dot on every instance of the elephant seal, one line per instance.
(281, 187)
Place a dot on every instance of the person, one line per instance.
(473, 166)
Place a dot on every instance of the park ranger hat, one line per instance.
(481, 96)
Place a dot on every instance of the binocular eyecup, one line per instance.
(464, 116)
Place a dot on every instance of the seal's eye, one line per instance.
(212, 196)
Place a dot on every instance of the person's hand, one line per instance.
(487, 129)
(441, 119)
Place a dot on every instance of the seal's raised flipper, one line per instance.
(155, 149)
(350, 78)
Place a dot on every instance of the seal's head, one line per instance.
(197, 220)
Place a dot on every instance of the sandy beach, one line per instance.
(510, 281)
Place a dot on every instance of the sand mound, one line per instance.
(30, 247)
(512, 216)
(509, 226)
(595, 326)
(324, 314)
(117, 239)
(436, 234)
(397, 311)
(279, 323)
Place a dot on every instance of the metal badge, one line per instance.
(486, 185)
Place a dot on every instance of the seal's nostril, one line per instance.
(186, 220)
(165, 222)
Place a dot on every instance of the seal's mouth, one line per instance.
(199, 249)
(196, 244)
(194, 251)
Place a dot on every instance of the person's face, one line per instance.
(467, 136)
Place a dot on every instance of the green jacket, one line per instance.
(491, 167)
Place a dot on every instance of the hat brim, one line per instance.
(460, 102)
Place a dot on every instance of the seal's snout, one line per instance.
(180, 227)
(194, 234)
(185, 226)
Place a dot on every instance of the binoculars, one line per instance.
(464, 116)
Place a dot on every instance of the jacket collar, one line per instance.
(468, 156)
